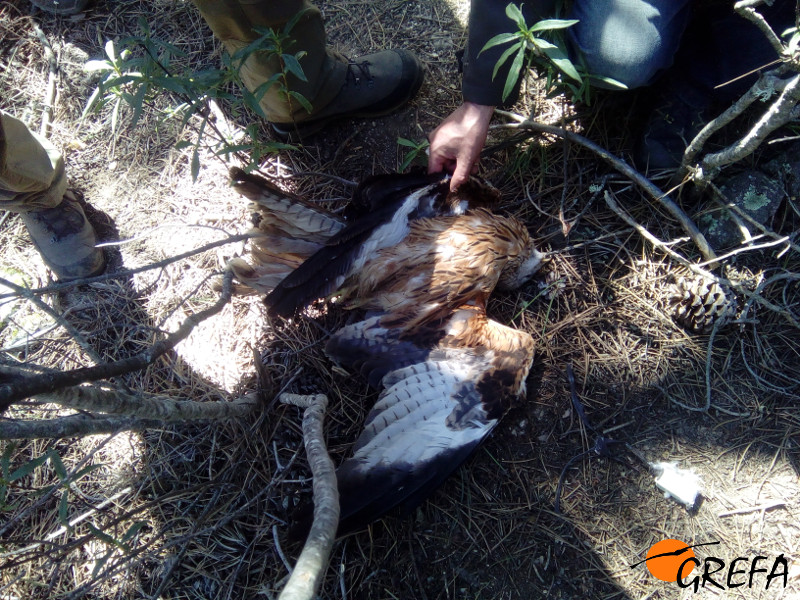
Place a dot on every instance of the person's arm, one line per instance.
(456, 144)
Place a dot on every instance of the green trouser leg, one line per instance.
(232, 21)
(31, 168)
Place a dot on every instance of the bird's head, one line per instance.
(523, 259)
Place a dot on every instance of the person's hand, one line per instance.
(457, 142)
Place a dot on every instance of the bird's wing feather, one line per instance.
(438, 403)
(346, 253)
(288, 230)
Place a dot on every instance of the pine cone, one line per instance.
(697, 303)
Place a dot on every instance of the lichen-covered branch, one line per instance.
(72, 426)
(766, 84)
(153, 411)
(104, 400)
(780, 112)
(310, 568)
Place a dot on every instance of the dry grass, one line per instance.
(211, 502)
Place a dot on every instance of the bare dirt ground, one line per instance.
(201, 511)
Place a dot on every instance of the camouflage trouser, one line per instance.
(31, 169)
(233, 22)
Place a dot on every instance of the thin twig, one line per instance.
(620, 165)
(127, 273)
(50, 89)
(746, 8)
(310, 568)
(59, 319)
(749, 509)
(27, 386)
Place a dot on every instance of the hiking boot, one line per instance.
(65, 239)
(61, 7)
(375, 85)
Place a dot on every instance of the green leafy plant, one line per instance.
(527, 46)
(139, 70)
(416, 149)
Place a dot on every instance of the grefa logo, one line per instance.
(675, 561)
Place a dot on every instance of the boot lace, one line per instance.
(356, 72)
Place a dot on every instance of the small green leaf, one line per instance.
(540, 44)
(173, 84)
(63, 509)
(287, 29)
(93, 66)
(132, 531)
(515, 14)
(28, 467)
(551, 24)
(301, 99)
(502, 38)
(5, 460)
(195, 165)
(504, 57)
(103, 536)
(408, 143)
(560, 59)
(58, 465)
(144, 26)
(612, 83)
(182, 144)
(85, 471)
(99, 564)
(513, 74)
(262, 89)
(293, 66)
(111, 52)
(251, 101)
(137, 101)
(172, 50)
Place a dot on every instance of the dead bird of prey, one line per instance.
(421, 264)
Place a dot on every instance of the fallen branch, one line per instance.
(96, 399)
(310, 568)
(73, 426)
(26, 386)
(749, 509)
(131, 413)
(620, 165)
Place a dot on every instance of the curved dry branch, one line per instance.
(620, 165)
(26, 386)
(310, 568)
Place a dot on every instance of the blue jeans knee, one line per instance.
(630, 41)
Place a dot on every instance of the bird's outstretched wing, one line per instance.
(288, 230)
(443, 390)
